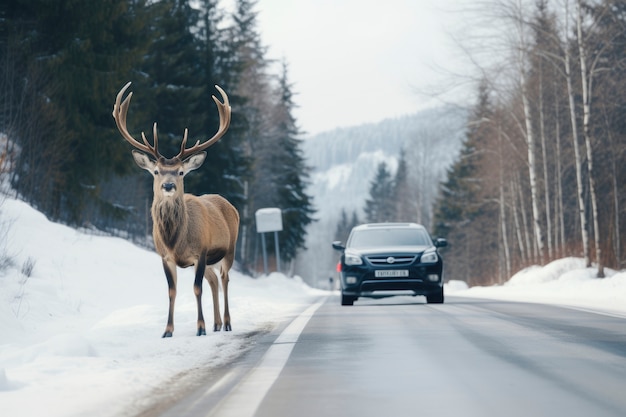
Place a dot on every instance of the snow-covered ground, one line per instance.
(563, 282)
(81, 316)
(80, 334)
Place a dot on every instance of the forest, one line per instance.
(62, 64)
(540, 175)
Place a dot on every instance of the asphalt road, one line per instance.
(401, 357)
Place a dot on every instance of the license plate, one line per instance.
(392, 273)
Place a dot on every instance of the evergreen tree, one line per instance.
(465, 213)
(251, 87)
(345, 225)
(379, 207)
(289, 172)
(80, 61)
(173, 73)
(403, 198)
(226, 162)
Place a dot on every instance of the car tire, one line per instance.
(347, 300)
(436, 298)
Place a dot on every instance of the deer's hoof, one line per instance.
(227, 327)
(201, 332)
(167, 334)
(217, 327)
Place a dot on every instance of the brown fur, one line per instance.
(194, 230)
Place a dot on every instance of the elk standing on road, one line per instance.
(187, 229)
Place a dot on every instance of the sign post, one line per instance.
(269, 220)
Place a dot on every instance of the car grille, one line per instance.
(395, 260)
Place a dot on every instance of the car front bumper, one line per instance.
(362, 282)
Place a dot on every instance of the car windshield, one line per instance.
(369, 238)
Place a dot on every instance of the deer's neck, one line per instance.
(170, 219)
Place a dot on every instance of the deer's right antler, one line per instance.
(224, 111)
(120, 109)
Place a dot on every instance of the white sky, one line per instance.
(360, 61)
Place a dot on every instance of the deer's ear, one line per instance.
(143, 161)
(194, 162)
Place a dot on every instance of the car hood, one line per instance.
(389, 250)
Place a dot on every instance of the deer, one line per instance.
(188, 230)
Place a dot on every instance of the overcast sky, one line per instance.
(360, 61)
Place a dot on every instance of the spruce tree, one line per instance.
(345, 225)
(226, 162)
(379, 207)
(465, 213)
(250, 85)
(173, 71)
(81, 48)
(289, 172)
(402, 198)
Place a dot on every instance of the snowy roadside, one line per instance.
(563, 282)
(81, 319)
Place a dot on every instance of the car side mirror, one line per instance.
(441, 242)
(337, 245)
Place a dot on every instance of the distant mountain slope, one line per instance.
(343, 145)
(344, 162)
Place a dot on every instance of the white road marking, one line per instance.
(245, 399)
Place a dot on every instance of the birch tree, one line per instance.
(582, 210)
(589, 66)
(522, 56)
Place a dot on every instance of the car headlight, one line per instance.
(352, 259)
(429, 258)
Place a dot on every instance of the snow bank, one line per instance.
(564, 281)
(81, 319)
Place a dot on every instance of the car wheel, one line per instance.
(347, 300)
(436, 298)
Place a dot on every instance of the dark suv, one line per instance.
(384, 259)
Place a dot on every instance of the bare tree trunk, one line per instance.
(529, 241)
(532, 177)
(518, 228)
(617, 249)
(618, 238)
(502, 203)
(530, 140)
(559, 233)
(586, 80)
(546, 183)
(579, 177)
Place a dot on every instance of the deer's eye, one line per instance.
(181, 173)
(156, 172)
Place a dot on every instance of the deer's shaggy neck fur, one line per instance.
(170, 219)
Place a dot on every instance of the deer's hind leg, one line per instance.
(225, 280)
(225, 267)
(210, 276)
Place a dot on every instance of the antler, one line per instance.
(120, 108)
(224, 112)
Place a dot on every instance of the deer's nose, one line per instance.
(168, 186)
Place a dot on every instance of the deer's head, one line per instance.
(168, 173)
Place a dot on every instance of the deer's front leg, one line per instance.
(170, 275)
(197, 289)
